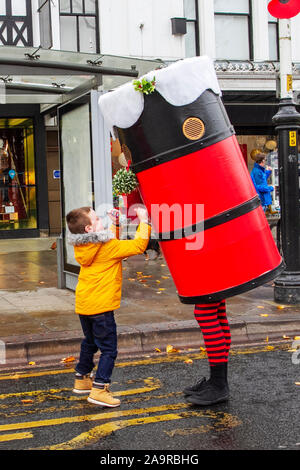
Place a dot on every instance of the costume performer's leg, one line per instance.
(213, 322)
(213, 334)
(224, 325)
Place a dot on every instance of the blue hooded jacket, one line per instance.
(259, 177)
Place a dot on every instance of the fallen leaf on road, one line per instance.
(139, 272)
(264, 314)
(165, 277)
(267, 339)
(53, 246)
(260, 306)
(31, 363)
(27, 401)
(189, 361)
(131, 279)
(202, 349)
(286, 337)
(163, 265)
(68, 359)
(280, 307)
(171, 349)
(158, 282)
(296, 337)
(269, 348)
(162, 288)
(157, 350)
(41, 282)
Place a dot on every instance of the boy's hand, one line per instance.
(142, 214)
(114, 215)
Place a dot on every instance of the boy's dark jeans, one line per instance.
(100, 332)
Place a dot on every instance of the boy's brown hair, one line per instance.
(78, 219)
(260, 157)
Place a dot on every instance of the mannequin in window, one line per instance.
(4, 176)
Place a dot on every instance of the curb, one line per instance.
(143, 339)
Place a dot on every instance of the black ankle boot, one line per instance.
(194, 388)
(215, 390)
(218, 375)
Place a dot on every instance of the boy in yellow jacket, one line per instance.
(98, 294)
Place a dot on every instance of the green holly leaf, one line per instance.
(144, 86)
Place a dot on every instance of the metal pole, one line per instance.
(287, 122)
(15, 66)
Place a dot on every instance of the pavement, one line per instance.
(38, 323)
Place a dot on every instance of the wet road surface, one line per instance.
(39, 411)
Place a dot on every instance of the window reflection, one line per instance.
(79, 25)
(17, 175)
(232, 20)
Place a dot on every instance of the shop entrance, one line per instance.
(34, 84)
(18, 205)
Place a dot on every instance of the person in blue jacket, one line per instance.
(260, 175)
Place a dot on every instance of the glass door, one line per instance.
(76, 163)
(86, 171)
(18, 207)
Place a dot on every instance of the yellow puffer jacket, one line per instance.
(100, 258)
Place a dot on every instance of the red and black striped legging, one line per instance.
(214, 325)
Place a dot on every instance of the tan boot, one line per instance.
(102, 396)
(83, 384)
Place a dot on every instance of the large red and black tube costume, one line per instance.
(190, 155)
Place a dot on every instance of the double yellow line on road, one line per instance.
(135, 417)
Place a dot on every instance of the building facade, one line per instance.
(239, 35)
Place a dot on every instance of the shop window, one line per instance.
(15, 23)
(232, 21)
(273, 38)
(44, 11)
(17, 175)
(192, 36)
(79, 25)
(251, 146)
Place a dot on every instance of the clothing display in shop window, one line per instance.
(4, 170)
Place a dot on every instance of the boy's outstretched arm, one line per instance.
(125, 248)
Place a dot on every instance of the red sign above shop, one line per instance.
(284, 9)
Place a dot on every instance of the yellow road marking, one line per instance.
(153, 360)
(150, 382)
(94, 434)
(226, 422)
(22, 375)
(93, 417)
(21, 410)
(13, 437)
(104, 430)
(33, 393)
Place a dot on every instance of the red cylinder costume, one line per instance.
(187, 157)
